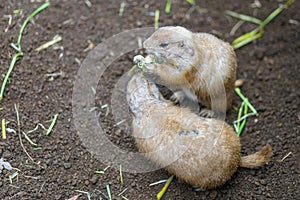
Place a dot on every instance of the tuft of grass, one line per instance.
(17, 47)
(164, 189)
(243, 112)
(259, 31)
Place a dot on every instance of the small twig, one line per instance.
(33, 177)
(55, 39)
(158, 182)
(29, 140)
(42, 186)
(9, 22)
(121, 174)
(122, 192)
(20, 136)
(3, 129)
(120, 122)
(287, 155)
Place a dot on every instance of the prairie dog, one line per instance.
(202, 151)
(199, 65)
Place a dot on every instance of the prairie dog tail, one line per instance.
(257, 159)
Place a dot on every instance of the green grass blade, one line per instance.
(121, 10)
(240, 114)
(192, 2)
(168, 6)
(52, 124)
(11, 67)
(243, 17)
(276, 12)
(39, 9)
(242, 125)
(164, 189)
(244, 36)
(121, 174)
(108, 192)
(156, 19)
(247, 38)
(239, 93)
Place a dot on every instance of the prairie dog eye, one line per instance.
(163, 45)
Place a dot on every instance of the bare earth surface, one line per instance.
(270, 66)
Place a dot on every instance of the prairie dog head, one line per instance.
(139, 89)
(171, 46)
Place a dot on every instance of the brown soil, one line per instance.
(270, 66)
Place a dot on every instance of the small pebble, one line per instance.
(213, 194)
(94, 180)
(239, 82)
(263, 182)
(67, 165)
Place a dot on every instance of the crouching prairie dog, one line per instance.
(204, 152)
(199, 65)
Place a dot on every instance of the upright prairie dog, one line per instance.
(204, 152)
(199, 65)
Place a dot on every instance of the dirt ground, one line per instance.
(270, 67)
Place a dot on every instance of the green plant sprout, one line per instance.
(240, 123)
(258, 31)
(168, 6)
(17, 47)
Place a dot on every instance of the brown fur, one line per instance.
(196, 62)
(203, 152)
